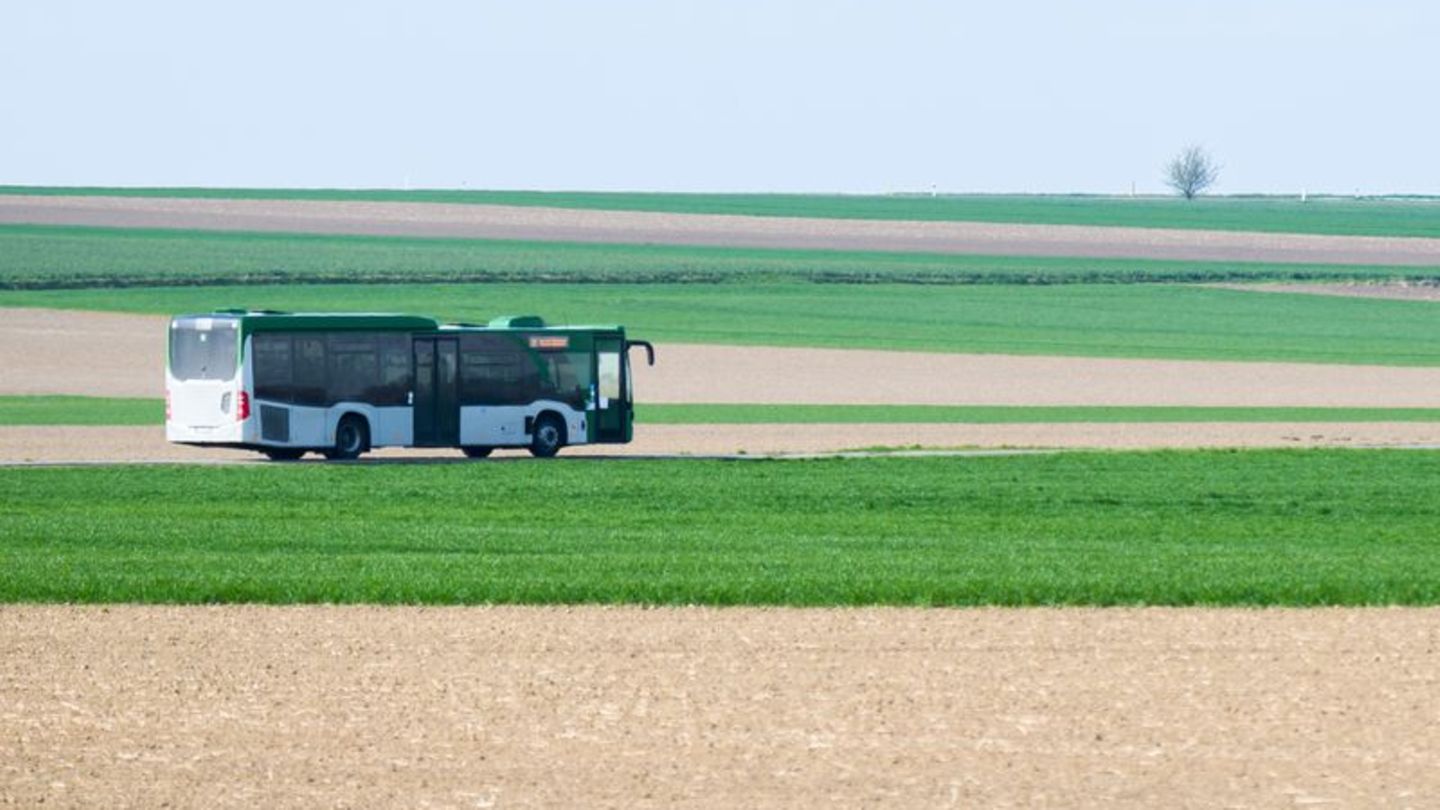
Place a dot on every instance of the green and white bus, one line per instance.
(290, 383)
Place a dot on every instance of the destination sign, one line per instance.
(549, 342)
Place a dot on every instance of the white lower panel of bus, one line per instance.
(504, 425)
(279, 425)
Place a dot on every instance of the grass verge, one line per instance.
(75, 410)
(1173, 528)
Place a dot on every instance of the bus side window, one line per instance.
(273, 377)
(310, 373)
(495, 371)
(394, 383)
(567, 370)
(354, 366)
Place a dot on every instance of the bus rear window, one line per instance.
(203, 348)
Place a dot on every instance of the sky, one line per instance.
(727, 95)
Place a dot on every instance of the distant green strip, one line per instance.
(1412, 216)
(71, 410)
(1005, 414)
(58, 257)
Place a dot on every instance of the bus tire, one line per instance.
(352, 437)
(547, 436)
(283, 453)
(476, 451)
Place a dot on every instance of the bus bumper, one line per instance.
(233, 433)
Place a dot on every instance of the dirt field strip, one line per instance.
(683, 373)
(99, 354)
(49, 444)
(1388, 290)
(105, 354)
(563, 707)
(575, 225)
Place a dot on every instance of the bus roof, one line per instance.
(267, 320)
(272, 321)
(480, 327)
(528, 323)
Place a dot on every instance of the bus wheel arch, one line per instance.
(548, 434)
(352, 437)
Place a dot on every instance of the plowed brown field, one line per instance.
(1389, 290)
(623, 707)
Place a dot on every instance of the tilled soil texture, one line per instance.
(98, 354)
(632, 227)
(587, 707)
(1388, 290)
(113, 445)
(101, 354)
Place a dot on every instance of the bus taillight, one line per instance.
(168, 411)
(242, 410)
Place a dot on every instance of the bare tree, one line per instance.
(1191, 172)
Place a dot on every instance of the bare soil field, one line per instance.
(128, 706)
(571, 225)
(1399, 291)
(683, 373)
(97, 354)
(116, 445)
(102, 354)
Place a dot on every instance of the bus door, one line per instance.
(612, 410)
(437, 392)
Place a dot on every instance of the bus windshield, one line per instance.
(203, 348)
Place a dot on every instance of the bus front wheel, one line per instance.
(474, 451)
(548, 436)
(352, 437)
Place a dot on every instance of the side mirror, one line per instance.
(646, 345)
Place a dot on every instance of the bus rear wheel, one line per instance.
(352, 437)
(548, 436)
(283, 453)
(474, 451)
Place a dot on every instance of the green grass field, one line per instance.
(1139, 321)
(73, 410)
(1322, 215)
(41, 257)
(1173, 528)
